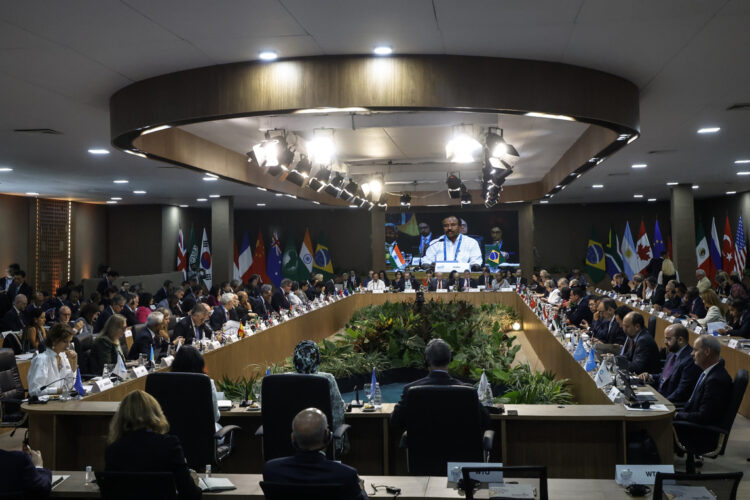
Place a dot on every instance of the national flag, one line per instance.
(151, 354)
(78, 384)
(658, 247)
(259, 259)
(580, 352)
(194, 253)
(120, 370)
(494, 256)
(273, 266)
(702, 253)
(409, 224)
(591, 362)
(206, 265)
(714, 248)
(629, 258)
(245, 259)
(322, 260)
(740, 250)
(306, 256)
(395, 258)
(181, 255)
(612, 256)
(595, 264)
(290, 263)
(241, 331)
(669, 247)
(727, 248)
(236, 264)
(643, 249)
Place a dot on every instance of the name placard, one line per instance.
(101, 385)
(128, 333)
(442, 290)
(139, 371)
(698, 330)
(378, 291)
(166, 361)
(640, 474)
(734, 344)
(602, 377)
(454, 472)
(614, 394)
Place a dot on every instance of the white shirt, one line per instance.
(376, 284)
(555, 297)
(43, 371)
(444, 249)
(294, 299)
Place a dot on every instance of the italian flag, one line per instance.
(395, 257)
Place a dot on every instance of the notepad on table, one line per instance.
(216, 484)
(57, 479)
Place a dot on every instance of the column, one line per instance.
(683, 232)
(526, 239)
(170, 226)
(222, 238)
(377, 218)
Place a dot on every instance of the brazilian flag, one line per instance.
(494, 256)
(322, 260)
(595, 263)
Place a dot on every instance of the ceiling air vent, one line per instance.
(740, 106)
(48, 131)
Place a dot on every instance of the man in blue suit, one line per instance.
(640, 349)
(22, 473)
(677, 380)
(310, 436)
(581, 311)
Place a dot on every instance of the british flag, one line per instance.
(181, 255)
(740, 250)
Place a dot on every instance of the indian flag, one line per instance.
(395, 258)
(306, 256)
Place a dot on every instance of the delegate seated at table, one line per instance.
(54, 370)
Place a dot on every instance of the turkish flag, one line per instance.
(727, 248)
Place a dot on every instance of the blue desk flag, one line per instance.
(151, 354)
(580, 353)
(591, 362)
(268, 371)
(78, 385)
(373, 382)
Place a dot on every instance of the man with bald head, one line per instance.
(309, 465)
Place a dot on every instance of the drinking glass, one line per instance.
(368, 392)
(257, 386)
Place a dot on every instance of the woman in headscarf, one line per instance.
(307, 360)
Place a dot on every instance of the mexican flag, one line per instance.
(702, 254)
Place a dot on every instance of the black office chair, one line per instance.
(652, 326)
(13, 341)
(716, 435)
(285, 491)
(443, 424)
(186, 401)
(284, 395)
(12, 391)
(723, 486)
(129, 485)
(536, 472)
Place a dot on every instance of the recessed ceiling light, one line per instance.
(634, 138)
(31, 193)
(112, 202)
(553, 117)
(652, 199)
(741, 162)
(201, 199)
(214, 196)
(182, 206)
(209, 179)
(155, 129)
(260, 204)
(260, 188)
(672, 183)
(116, 198)
(558, 186)
(279, 194)
(544, 201)
(731, 192)
(120, 181)
(743, 173)
(353, 206)
(99, 151)
(639, 165)
(597, 186)
(268, 55)
(135, 153)
(139, 192)
(6, 169)
(708, 130)
(637, 196)
(695, 186)
(316, 202)
(383, 50)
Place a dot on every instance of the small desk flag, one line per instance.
(580, 352)
(591, 362)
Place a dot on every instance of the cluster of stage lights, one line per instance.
(277, 157)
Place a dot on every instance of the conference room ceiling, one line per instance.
(61, 61)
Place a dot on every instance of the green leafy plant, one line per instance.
(528, 387)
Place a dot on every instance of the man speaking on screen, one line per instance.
(453, 246)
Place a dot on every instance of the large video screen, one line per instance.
(413, 231)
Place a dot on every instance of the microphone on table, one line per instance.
(51, 383)
(356, 404)
(35, 399)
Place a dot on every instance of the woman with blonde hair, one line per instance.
(668, 272)
(107, 347)
(138, 442)
(714, 308)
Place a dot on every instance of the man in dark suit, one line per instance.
(23, 473)
(19, 285)
(619, 285)
(466, 282)
(222, 312)
(262, 306)
(14, 319)
(640, 349)
(655, 293)
(677, 380)
(654, 266)
(413, 284)
(6, 280)
(741, 325)
(353, 281)
(163, 292)
(148, 338)
(194, 325)
(279, 301)
(486, 279)
(107, 281)
(438, 356)
(128, 310)
(310, 435)
(708, 400)
(671, 298)
(580, 310)
(607, 330)
(118, 303)
(518, 279)
(438, 283)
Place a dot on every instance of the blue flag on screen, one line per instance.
(580, 353)
(78, 385)
(591, 362)
(151, 354)
(373, 381)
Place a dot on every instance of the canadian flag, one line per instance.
(643, 249)
(727, 248)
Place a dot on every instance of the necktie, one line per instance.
(667, 369)
(197, 332)
(700, 379)
(440, 284)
